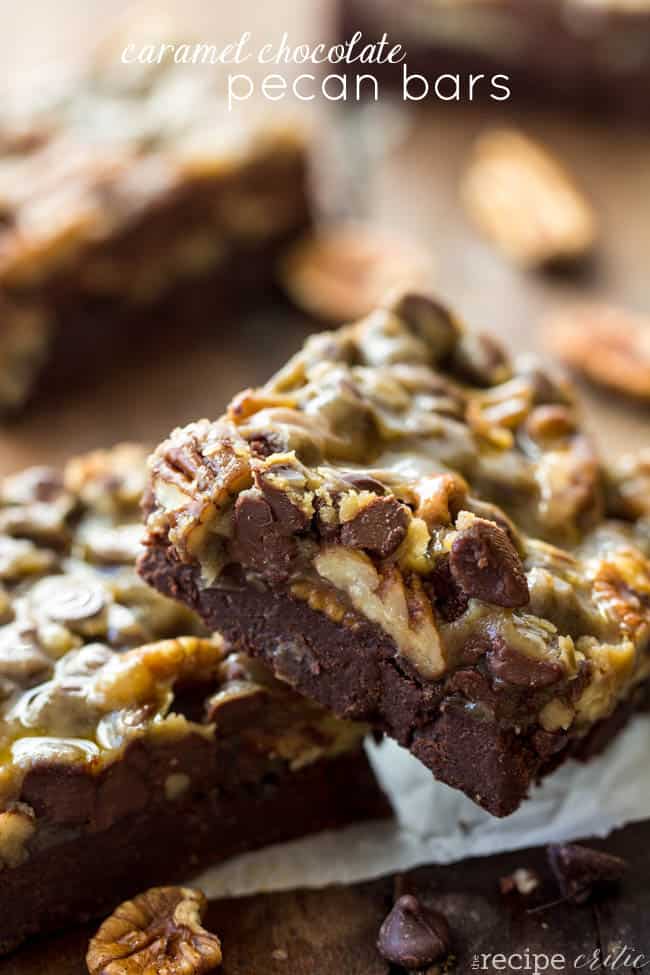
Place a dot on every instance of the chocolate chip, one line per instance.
(511, 666)
(430, 321)
(259, 542)
(582, 872)
(68, 599)
(364, 482)
(380, 527)
(413, 936)
(447, 597)
(266, 444)
(490, 512)
(485, 565)
(289, 516)
(481, 360)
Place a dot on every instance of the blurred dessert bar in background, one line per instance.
(131, 201)
(135, 748)
(586, 54)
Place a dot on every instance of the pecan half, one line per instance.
(610, 346)
(157, 933)
(525, 202)
(343, 272)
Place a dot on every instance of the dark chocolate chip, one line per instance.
(364, 482)
(380, 527)
(481, 360)
(266, 444)
(511, 666)
(582, 872)
(258, 540)
(47, 484)
(414, 936)
(448, 598)
(485, 565)
(289, 516)
(69, 600)
(431, 321)
(491, 512)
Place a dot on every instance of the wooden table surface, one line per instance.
(334, 931)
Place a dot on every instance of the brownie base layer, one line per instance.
(91, 873)
(548, 66)
(354, 672)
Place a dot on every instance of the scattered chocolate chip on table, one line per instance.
(135, 748)
(335, 930)
(414, 532)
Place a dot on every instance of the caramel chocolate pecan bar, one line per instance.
(134, 748)
(131, 201)
(585, 55)
(414, 532)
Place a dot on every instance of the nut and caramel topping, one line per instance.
(402, 472)
(117, 185)
(77, 184)
(94, 663)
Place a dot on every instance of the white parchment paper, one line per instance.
(435, 824)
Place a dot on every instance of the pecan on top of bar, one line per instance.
(402, 472)
(94, 663)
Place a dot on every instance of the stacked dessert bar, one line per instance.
(134, 204)
(135, 747)
(585, 54)
(414, 532)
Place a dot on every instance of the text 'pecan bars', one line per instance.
(134, 749)
(131, 201)
(341, 522)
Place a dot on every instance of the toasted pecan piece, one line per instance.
(608, 345)
(526, 202)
